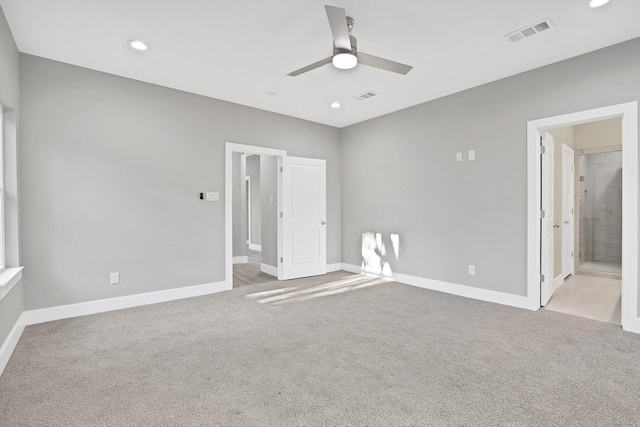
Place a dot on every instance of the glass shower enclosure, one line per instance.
(600, 226)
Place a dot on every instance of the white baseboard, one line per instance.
(10, 342)
(32, 317)
(255, 247)
(455, 289)
(632, 325)
(269, 269)
(240, 259)
(351, 268)
(334, 267)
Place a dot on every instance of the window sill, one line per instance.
(9, 277)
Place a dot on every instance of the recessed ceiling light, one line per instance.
(138, 45)
(335, 105)
(598, 3)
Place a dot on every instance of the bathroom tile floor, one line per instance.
(606, 267)
(586, 296)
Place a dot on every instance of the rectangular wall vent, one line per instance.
(523, 33)
(366, 95)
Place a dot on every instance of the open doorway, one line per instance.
(587, 220)
(540, 265)
(254, 217)
(301, 214)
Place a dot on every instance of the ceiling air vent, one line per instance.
(530, 31)
(366, 95)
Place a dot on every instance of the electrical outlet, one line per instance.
(472, 154)
(459, 157)
(472, 270)
(114, 278)
(212, 197)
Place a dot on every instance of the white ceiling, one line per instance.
(238, 51)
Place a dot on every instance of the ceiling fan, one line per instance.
(345, 48)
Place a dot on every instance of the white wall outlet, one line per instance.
(213, 196)
(472, 270)
(459, 157)
(114, 278)
(271, 198)
(472, 154)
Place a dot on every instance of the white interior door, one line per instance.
(568, 215)
(304, 242)
(546, 262)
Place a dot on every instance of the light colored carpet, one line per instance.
(323, 351)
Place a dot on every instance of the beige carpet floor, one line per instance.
(333, 350)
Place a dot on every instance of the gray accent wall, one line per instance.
(400, 174)
(11, 305)
(111, 169)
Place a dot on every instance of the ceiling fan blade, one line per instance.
(383, 64)
(311, 67)
(338, 23)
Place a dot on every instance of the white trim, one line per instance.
(255, 247)
(247, 180)
(454, 289)
(9, 277)
(334, 267)
(32, 317)
(230, 148)
(269, 269)
(629, 114)
(240, 259)
(6, 350)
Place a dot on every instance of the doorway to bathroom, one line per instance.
(544, 285)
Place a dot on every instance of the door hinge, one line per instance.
(542, 214)
(281, 168)
(281, 215)
(543, 149)
(542, 278)
(281, 259)
(571, 254)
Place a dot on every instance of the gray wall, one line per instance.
(400, 174)
(269, 205)
(238, 221)
(111, 169)
(11, 305)
(253, 171)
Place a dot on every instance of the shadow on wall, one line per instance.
(374, 252)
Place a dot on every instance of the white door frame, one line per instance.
(629, 114)
(568, 202)
(247, 181)
(230, 148)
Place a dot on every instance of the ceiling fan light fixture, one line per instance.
(345, 60)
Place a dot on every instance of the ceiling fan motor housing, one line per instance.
(354, 47)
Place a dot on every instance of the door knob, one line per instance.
(556, 225)
(323, 223)
(566, 222)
